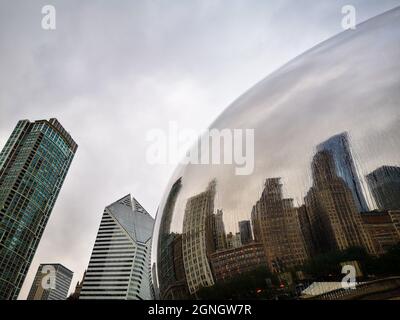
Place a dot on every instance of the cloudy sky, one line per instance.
(111, 71)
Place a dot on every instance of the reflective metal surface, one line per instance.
(327, 136)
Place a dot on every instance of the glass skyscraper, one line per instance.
(338, 147)
(33, 166)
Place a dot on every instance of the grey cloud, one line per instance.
(113, 70)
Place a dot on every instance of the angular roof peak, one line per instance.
(138, 207)
(126, 201)
(136, 221)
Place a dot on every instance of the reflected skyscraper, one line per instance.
(339, 148)
(306, 230)
(277, 226)
(245, 231)
(198, 238)
(166, 240)
(384, 184)
(220, 235)
(33, 167)
(179, 289)
(335, 220)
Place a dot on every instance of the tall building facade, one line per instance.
(277, 226)
(335, 221)
(33, 166)
(338, 147)
(52, 282)
(120, 266)
(384, 184)
(245, 231)
(305, 226)
(198, 239)
(220, 234)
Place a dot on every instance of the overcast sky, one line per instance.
(114, 69)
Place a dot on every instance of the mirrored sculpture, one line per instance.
(326, 155)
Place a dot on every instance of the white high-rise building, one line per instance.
(119, 267)
(52, 282)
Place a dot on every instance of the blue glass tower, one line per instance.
(338, 147)
(33, 166)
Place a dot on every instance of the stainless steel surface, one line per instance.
(332, 113)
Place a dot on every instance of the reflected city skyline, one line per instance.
(327, 167)
(278, 235)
